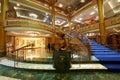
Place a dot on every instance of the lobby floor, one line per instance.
(32, 71)
(35, 71)
(35, 66)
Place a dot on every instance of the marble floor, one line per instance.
(33, 71)
(7, 72)
(25, 65)
(7, 78)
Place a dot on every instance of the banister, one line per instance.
(22, 47)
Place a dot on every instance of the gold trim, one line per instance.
(28, 23)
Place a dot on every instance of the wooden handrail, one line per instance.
(16, 54)
(22, 48)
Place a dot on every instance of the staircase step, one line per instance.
(107, 57)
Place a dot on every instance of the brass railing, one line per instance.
(19, 53)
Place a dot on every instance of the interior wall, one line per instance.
(38, 42)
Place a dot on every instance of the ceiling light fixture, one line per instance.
(92, 13)
(32, 33)
(33, 15)
(80, 19)
(77, 21)
(82, 1)
(66, 25)
(46, 5)
(118, 0)
(18, 4)
(15, 7)
(60, 5)
(57, 22)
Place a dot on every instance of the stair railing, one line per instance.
(16, 53)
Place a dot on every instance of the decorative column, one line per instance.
(69, 17)
(53, 20)
(101, 22)
(4, 8)
(69, 22)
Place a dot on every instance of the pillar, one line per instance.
(101, 22)
(4, 8)
(69, 17)
(53, 20)
(69, 22)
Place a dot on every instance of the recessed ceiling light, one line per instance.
(57, 22)
(77, 21)
(80, 18)
(33, 33)
(60, 5)
(118, 0)
(46, 5)
(15, 7)
(18, 4)
(66, 25)
(33, 15)
(92, 13)
(82, 1)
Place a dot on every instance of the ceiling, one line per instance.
(73, 5)
(85, 17)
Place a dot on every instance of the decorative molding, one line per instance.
(28, 23)
(109, 23)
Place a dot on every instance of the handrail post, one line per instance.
(25, 54)
(15, 59)
(89, 49)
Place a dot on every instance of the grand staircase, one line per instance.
(107, 57)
